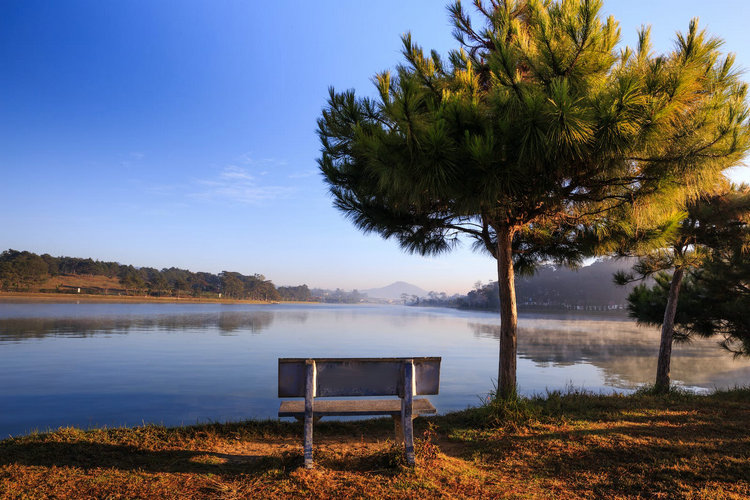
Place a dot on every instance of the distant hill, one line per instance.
(590, 285)
(394, 291)
(557, 288)
(24, 271)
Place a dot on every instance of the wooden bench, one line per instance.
(346, 377)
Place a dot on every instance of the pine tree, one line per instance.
(707, 293)
(531, 131)
(723, 292)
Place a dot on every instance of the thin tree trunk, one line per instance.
(667, 334)
(508, 313)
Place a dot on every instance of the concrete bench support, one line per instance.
(406, 410)
(323, 377)
(309, 395)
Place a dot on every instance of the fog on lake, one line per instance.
(95, 364)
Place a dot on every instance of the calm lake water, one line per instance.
(126, 364)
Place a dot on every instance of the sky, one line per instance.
(182, 134)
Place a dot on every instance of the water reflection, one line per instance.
(227, 323)
(118, 364)
(624, 352)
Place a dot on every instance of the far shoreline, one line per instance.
(70, 297)
(52, 297)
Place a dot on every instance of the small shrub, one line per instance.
(514, 412)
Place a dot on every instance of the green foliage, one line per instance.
(79, 266)
(512, 411)
(20, 270)
(706, 223)
(714, 241)
(714, 301)
(535, 123)
(157, 283)
(131, 278)
(724, 286)
(534, 139)
(299, 293)
(674, 394)
(24, 270)
(254, 287)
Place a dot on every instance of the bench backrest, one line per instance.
(358, 376)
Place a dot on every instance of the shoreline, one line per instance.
(51, 297)
(69, 297)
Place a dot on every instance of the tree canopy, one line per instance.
(533, 129)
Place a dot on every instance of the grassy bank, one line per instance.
(571, 446)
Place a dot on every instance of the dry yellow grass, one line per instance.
(83, 281)
(573, 446)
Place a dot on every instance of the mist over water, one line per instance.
(126, 364)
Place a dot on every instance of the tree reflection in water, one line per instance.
(624, 352)
(228, 323)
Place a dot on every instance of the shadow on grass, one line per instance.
(86, 455)
(384, 462)
(641, 461)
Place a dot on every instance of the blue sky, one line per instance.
(183, 133)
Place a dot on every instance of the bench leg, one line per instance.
(408, 429)
(407, 410)
(308, 442)
(398, 429)
(308, 431)
(316, 419)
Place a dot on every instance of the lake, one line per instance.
(96, 364)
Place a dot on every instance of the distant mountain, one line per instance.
(394, 291)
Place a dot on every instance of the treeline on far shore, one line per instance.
(551, 288)
(23, 271)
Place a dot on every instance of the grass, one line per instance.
(83, 281)
(560, 445)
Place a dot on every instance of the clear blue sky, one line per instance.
(183, 133)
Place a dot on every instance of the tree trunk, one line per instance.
(667, 334)
(506, 378)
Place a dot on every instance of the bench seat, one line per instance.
(355, 407)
